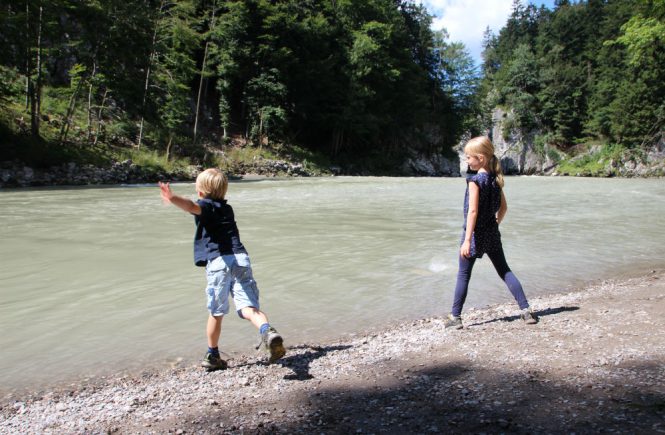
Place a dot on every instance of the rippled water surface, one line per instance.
(99, 280)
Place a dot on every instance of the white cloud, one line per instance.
(466, 20)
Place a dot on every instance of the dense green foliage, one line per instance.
(587, 69)
(338, 77)
(337, 80)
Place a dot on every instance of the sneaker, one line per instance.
(273, 343)
(213, 362)
(528, 316)
(454, 322)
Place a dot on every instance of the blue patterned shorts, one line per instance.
(230, 275)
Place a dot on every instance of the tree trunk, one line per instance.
(99, 116)
(203, 66)
(260, 129)
(337, 140)
(146, 86)
(168, 148)
(145, 95)
(90, 85)
(70, 111)
(198, 98)
(35, 95)
(28, 65)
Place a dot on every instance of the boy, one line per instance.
(217, 246)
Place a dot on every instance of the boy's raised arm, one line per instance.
(186, 204)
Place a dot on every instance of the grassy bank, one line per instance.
(607, 160)
(115, 141)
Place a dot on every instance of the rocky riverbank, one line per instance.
(595, 363)
(16, 174)
(518, 156)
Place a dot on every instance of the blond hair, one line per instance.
(212, 183)
(482, 145)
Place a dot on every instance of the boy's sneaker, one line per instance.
(528, 316)
(273, 343)
(454, 322)
(213, 362)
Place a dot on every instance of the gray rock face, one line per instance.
(435, 165)
(519, 154)
(516, 152)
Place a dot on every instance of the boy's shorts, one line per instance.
(230, 274)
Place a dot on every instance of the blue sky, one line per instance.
(466, 20)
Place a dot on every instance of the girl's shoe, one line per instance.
(528, 316)
(454, 322)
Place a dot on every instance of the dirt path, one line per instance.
(595, 363)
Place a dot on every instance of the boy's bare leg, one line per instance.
(214, 330)
(255, 316)
(270, 338)
(212, 360)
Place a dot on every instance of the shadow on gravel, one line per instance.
(300, 363)
(539, 313)
(454, 399)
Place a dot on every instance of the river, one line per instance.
(96, 281)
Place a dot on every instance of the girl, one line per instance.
(484, 208)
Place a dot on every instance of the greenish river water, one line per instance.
(94, 281)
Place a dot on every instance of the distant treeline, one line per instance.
(587, 70)
(330, 75)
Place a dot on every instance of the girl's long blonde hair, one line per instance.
(482, 145)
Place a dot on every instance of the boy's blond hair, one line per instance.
(212, 183)
(482, 145)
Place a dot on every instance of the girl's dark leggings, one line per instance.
(499, 261)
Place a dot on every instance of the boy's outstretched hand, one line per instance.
(165, 192)
(171, 198)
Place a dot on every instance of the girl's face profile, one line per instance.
(473, 161)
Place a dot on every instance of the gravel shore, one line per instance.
(595, 363)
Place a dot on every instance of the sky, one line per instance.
(466, 20)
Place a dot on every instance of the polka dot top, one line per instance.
(486, 236)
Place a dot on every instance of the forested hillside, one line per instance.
(337, 77)
(588, 70)
(331, 82)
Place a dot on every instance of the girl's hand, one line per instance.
(465, 250)
(165, 192)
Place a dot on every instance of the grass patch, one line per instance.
(234, 158)
(116, 140)
(16, 143)
(594, 163)
(231, 158)
(313, 162)
(151, 159)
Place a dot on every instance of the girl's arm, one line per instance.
(186, 204)
(503, 208)
(471, 217)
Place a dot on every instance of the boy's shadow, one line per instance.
(541, 313)
(300, 362)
